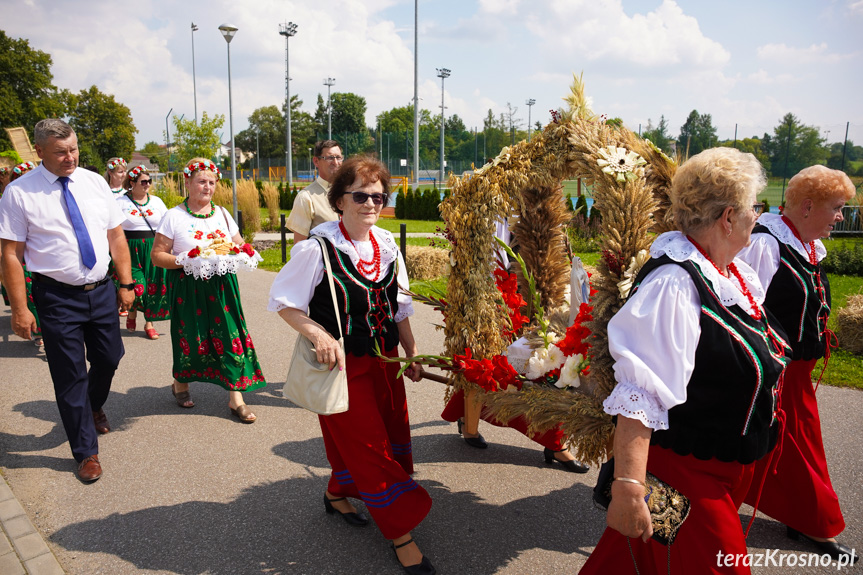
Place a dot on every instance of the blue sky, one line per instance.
(744, 62)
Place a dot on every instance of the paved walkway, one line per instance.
(193, 491)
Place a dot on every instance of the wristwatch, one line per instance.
(126, 286)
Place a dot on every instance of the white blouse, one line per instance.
(763, 253)
(189, 232)
(154, 210)
(295, 284)
(653, 338)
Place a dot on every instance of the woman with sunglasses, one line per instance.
(369, 445)
(786, 251)
(144, 213)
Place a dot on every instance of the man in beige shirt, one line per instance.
(311, 207)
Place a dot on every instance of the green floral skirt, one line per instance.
(28, 283)
(208, 333)
(151, 289)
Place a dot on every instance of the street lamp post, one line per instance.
(416, 96)
(311, 173)
(228, 32)
(168, 138)
(443, 74)
(258, 150)
(529, 103)
(288, 30)
(329, 83)
(194, 83)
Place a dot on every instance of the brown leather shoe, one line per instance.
(101, 421)
(89, 470)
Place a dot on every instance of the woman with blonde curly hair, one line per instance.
(697, 368)
(144, 213)
(786, 252)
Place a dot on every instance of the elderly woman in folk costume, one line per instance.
(208, 333)
(14, 174)
(698, 370)
(144, 213)
(369, 445)
(785, 251)
(115, 175)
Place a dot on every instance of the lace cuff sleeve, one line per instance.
(629, 400)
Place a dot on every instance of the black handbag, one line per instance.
(668, 507)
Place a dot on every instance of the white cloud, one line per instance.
(814, 54)
(764, 78)
(602, 31)
(856, 7)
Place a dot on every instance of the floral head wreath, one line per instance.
(200, 166)
(3, 171)
(135, 172)
(23, 167)
(116, 163)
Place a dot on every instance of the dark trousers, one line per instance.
(80, 327)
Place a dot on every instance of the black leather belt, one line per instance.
(52, 282)
(139, 235)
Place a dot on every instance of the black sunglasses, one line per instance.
(145, 182)
(759, 207)
(362, 197)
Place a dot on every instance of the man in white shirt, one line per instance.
(311, 206)
(65, 223)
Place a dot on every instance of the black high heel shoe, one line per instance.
(832, 548)
(424, 567)
(479, 441)
(571, 466)
(355, 519)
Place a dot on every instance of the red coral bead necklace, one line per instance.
(371, 268)
(813, 257)
(732, 269)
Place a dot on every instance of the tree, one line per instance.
(27, 94)
(157, 155)
(197, 140)
(793, 146)
(266, 132)
(696, 134)
(104, 126)
(659, 135)
(751, 146)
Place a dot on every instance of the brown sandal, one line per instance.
(243, 413)
(183, 398)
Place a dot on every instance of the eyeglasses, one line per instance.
(362, 197)
(145, 182)
(332, 158)
(759, 208)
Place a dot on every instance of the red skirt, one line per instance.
(715, 490)
(369, 447)
(799, 494)
(552, 439)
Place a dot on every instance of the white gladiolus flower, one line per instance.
(569, 375)
(555, 357)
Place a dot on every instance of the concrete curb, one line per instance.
(22, 549)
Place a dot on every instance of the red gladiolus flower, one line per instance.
(481, 372)
(504, 373)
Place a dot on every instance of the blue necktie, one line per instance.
(88, 256)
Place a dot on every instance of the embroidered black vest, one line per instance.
(797, 302)
(367, 308)
(732, 395)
